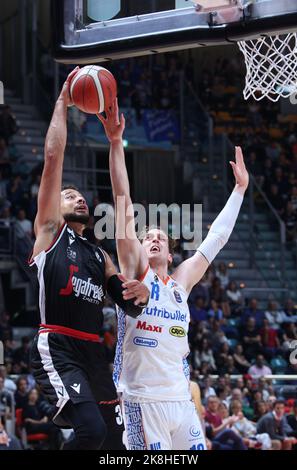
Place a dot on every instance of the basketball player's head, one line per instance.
(73, 205)
(158, 245)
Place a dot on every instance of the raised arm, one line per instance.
(132, 257)
(191, 271)
(48, 218)
(130, 295)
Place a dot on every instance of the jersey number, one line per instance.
(119, 418)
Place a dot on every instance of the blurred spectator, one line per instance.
(269, 340)
(36, 420)
(6, 218)
(259, 369)
(276, 426)
(260, 409)
(21, 394)
(276, 199)
(15, 193)
(289, 334)
(5, 326)
(222, 274)
(235, 298)
(229, 366)
(263, 388)
(3, 190)
(8, 126)
(292, 420)
(214, 311)
(217, 335)
(240, 361)
(9, 384)
(290, 219)
(222, 355)
(251, 339)
(213, 417)
(218, 429)
(23, 226)
(253, 312)
(217, 293)
(9, 350)
(247, 429)
(5, 401)
(204, 354)
(7, 441)
(274, 316)
(4, 153)
(290, 310)
(198, 311)
(208, 389)
(22, 355)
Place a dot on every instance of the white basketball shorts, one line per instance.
(162, 426)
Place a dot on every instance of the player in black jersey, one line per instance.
(68, 357)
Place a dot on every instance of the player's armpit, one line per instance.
(45, 235)
(190, 271)
(133, 259)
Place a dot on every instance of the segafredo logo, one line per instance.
(82, 287)
(177, 331)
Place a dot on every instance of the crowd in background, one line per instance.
(228, 335)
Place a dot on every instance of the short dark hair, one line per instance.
(278, 402)
(69, 186)
(171, 241)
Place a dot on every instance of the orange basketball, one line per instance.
(93, 89)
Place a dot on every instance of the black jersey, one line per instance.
(71, 275)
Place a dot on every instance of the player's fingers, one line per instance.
(233, 167)
(123, 278)
(130, 284)
(129, 292)
(239, 156)
(129, 296)
(116, 106)
(122, 120)
(71, 75)
(101, 118)
(112, 107)
(108, 112)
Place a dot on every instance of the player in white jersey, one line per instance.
(150, 368)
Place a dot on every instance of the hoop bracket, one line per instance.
(221, 11)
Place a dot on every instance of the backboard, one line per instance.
(87, 31)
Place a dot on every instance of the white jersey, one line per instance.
(151, 353)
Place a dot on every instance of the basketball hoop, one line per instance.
(271, 63)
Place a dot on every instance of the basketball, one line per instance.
(93, 89)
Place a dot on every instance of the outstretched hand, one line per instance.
(134, 289)
(239, 170)
(65, 92)
(113, 124)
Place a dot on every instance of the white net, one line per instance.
(271, 63)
